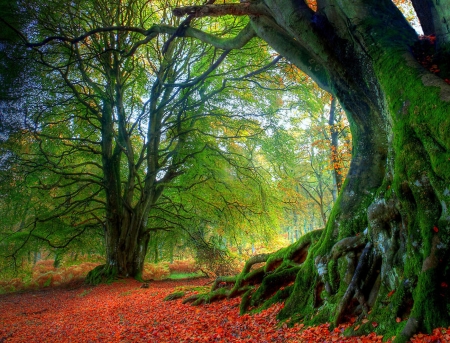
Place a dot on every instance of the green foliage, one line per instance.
(145, 131)
(195, 148)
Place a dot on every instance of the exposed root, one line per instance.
(223, 281)
(246, 277)
(101, 274)
(347, 244)
(275, 278)
(356, 285)
(174, 296)
(254, 260)
(300, 254)
(191, 298)
(198, 299)
(345, 247)
(272, 283)
(411, 327)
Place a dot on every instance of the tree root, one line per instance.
(223, 280)
(356, 285)
(101, 274)
(272, 283)
(174, 296)
(411, 327)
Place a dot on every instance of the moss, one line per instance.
(200, 289)
(174, 296)
(421, 149)
(300, 303)
(339, 228)
(206, 298)
(281, 295)
(101, 274)
(272, 283)
(287, 255)
(245, 301)
(428, 302)
(255, 276)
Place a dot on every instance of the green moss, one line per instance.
(285, 256)
(300, 303)
(272, 283)
(245, 301)
(421, 151)
(101, 274)
(174, 296)
(254, 275)
(278, 297)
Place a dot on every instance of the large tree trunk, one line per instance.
(397, 187)
(384, 253)
(126, 237)
(126, 244)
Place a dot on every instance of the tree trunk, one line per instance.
(397, 186)
(126, 239)
(126, 248)
(334, 153)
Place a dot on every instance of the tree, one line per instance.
(114, 120)
(384, 253)
(306, 156)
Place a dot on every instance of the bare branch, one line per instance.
(221, 10)
(78, 39)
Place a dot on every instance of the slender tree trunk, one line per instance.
(334, 153)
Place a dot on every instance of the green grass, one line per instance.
(178, 276)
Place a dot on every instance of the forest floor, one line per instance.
(125, 312)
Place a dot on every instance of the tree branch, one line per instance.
(221, 10)
(87, 34)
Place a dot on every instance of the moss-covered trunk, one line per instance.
(384, 253)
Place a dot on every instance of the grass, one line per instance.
(179, 276)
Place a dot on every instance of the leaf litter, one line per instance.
(125, 312)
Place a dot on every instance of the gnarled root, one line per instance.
(356, 285)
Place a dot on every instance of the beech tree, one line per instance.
(116, 112)
(384, 253)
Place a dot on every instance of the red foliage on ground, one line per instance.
(124, 312)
